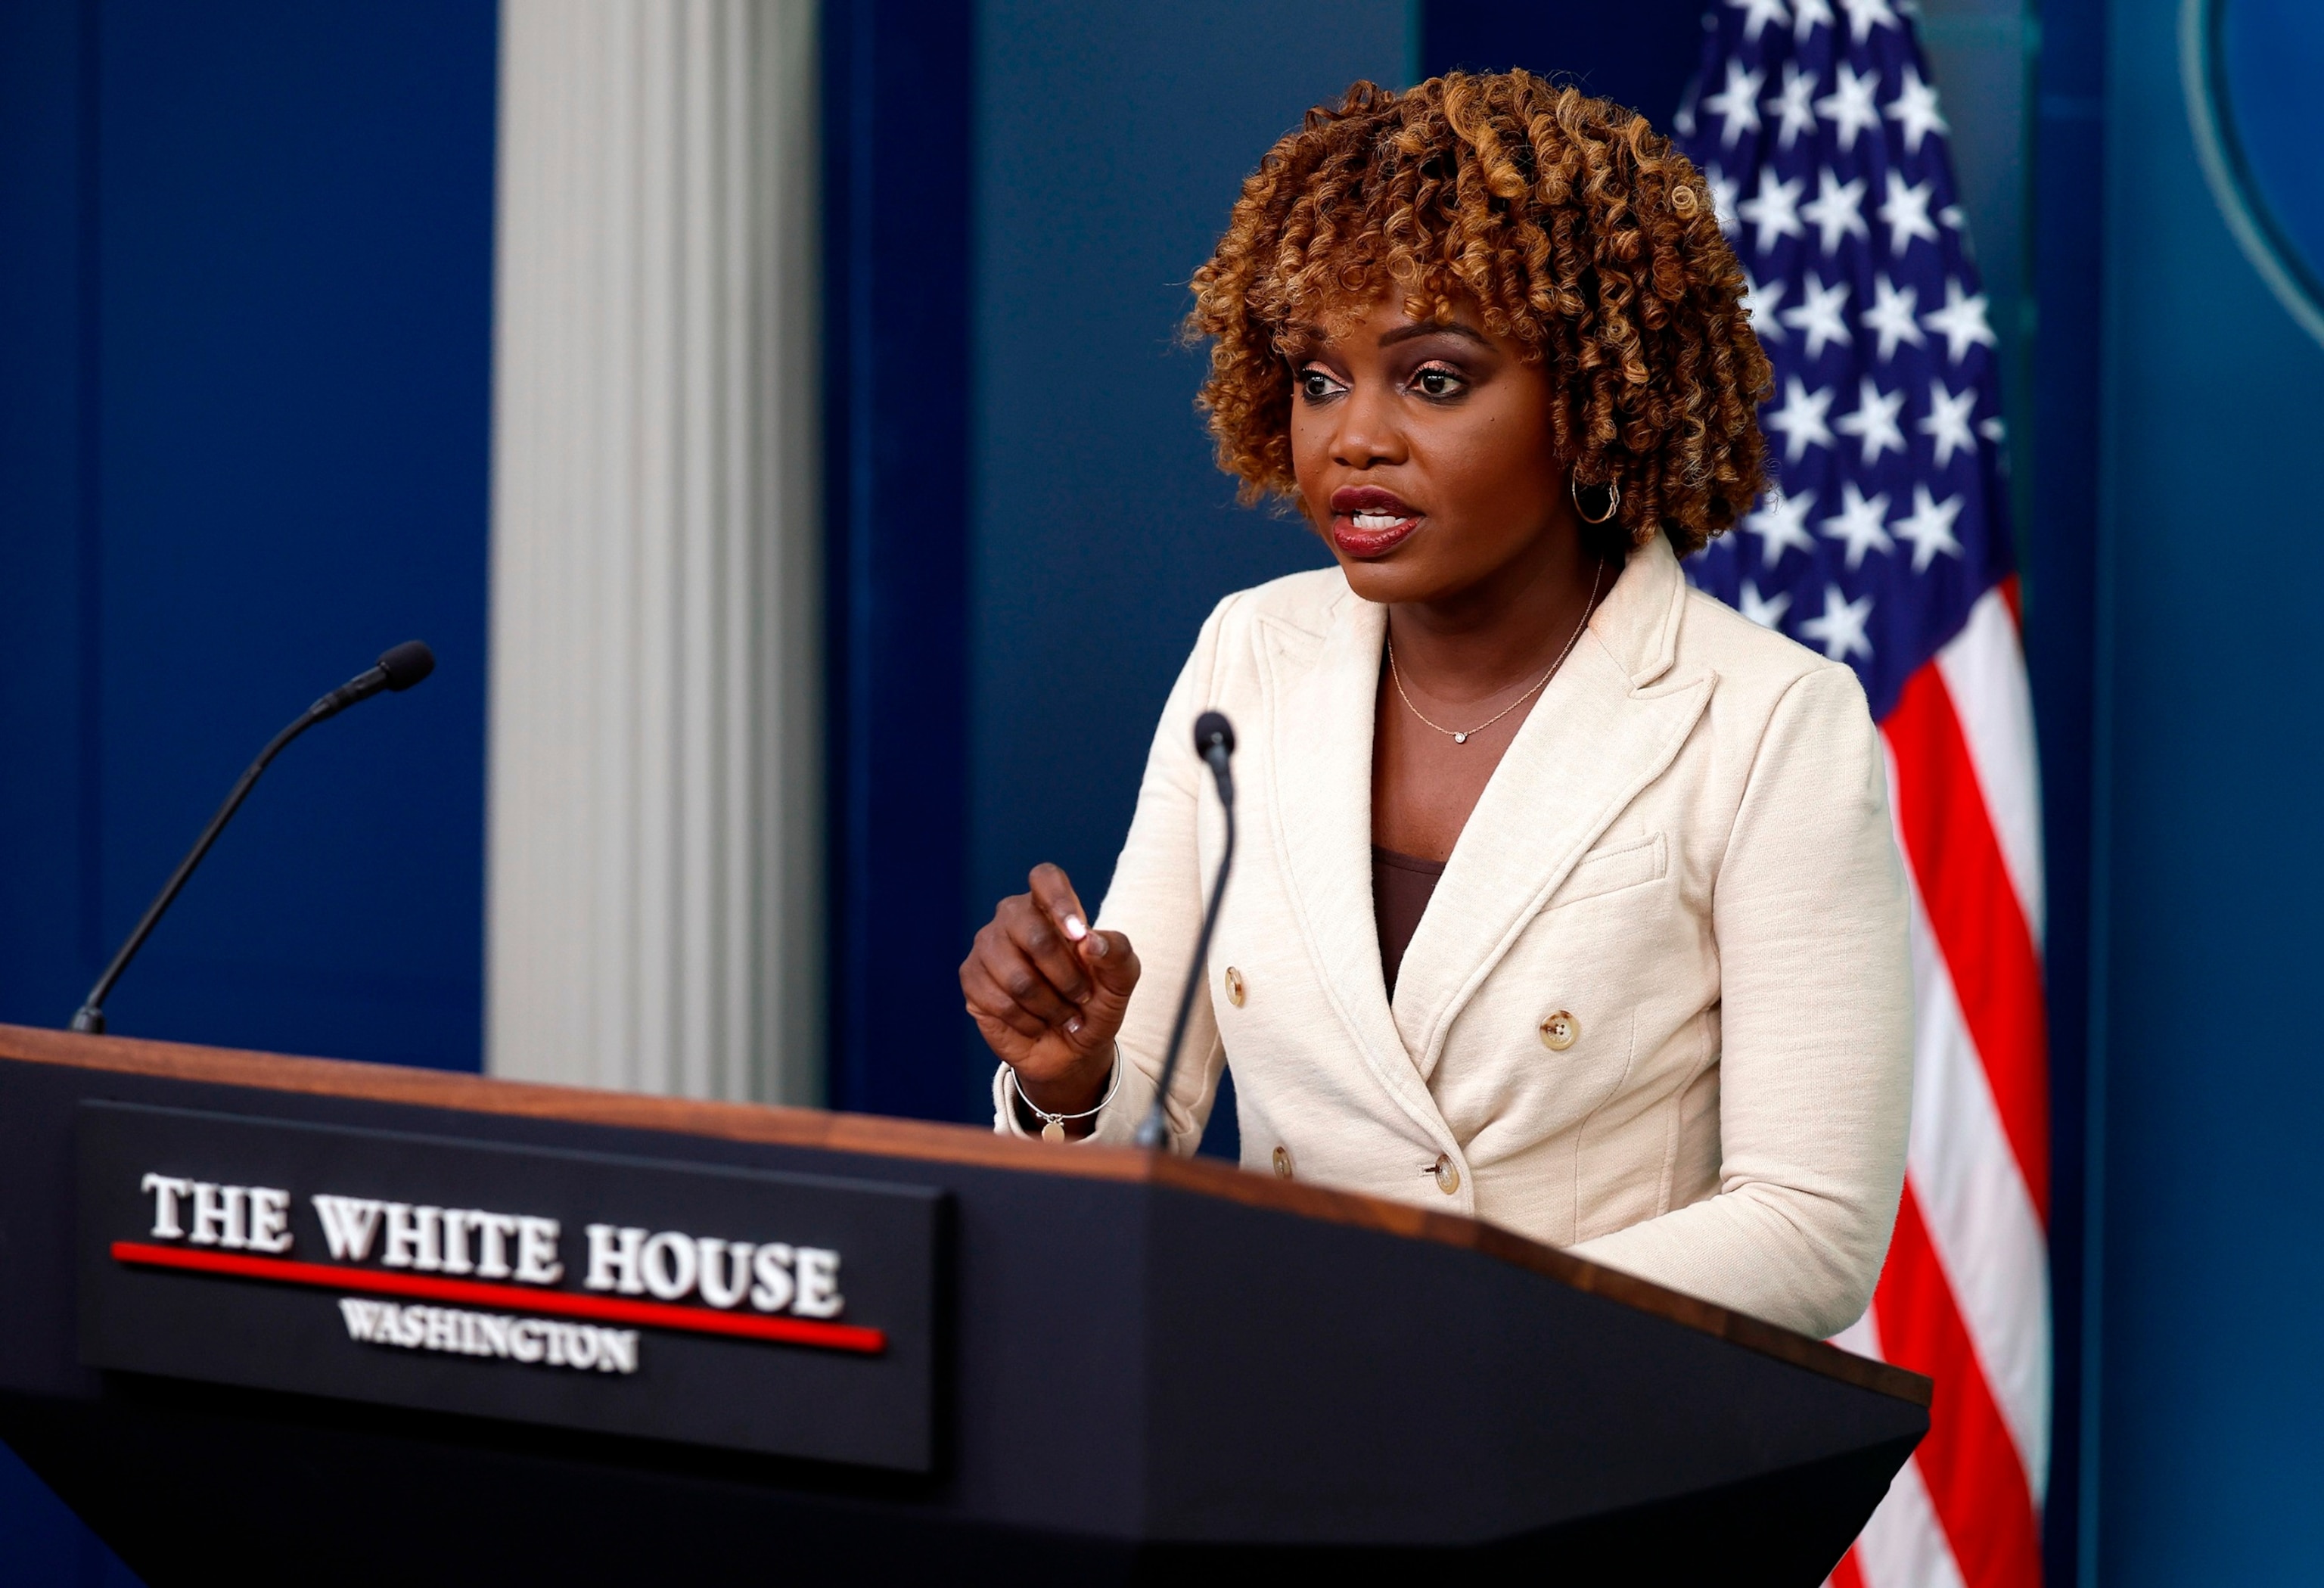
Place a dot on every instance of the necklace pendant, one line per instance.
(1055, 1130)
(1460, 738)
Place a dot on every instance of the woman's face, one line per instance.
(1422, 454)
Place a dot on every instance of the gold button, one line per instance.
(1559, 1030)
(1447, 1173)
(1234, 986)
(1283, 1162)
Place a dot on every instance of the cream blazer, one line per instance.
(1659, 1008)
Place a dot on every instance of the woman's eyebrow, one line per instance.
(1431, 328)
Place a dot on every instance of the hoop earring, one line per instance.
(1613, 500)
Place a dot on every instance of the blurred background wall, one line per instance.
(247, 268)
(2206, 1279)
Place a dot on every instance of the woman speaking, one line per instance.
(1567, 897)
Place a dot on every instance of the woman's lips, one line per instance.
(1368, 522)
(1351, 535)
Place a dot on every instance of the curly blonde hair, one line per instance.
(1574, 227)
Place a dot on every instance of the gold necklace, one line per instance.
(1461, 735)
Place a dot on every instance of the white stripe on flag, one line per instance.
(1980, 1216)
(1984, 669)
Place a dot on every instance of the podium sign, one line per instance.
(785, 1314)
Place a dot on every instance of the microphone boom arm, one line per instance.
(400, 668)
(91, 1015)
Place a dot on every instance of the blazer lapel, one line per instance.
(1607, 725)
(1322, 693)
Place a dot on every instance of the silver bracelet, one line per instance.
(1053, 1125)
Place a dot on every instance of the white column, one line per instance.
(655, 892)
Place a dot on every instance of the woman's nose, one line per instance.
(1368, 433)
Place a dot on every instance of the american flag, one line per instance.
(1885, 543)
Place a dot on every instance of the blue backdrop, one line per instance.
(2206, 1279)
(246, 383)
(244, 328)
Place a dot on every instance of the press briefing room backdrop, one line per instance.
(771, 413)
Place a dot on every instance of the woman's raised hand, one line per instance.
(1049, 993)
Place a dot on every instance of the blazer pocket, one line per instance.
(1631, 864)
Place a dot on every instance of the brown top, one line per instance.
(1402, 887)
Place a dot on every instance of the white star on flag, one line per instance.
(1781, 524)
(1948, 421)
(1819, 314)
(1767, 613)
(1841, 628)
(1864, 15)
(1807, 15)
(1800, 420)
(1848, 107)
(1793, 106)
(1874, 422)
(1737, 103)
(1860, 523)
(1929, 528)
(1961, 322)
(1906, 212)
(1891, 316)
(1914, 110)
(1775, 209)
(1836, 209)
(1757, 15)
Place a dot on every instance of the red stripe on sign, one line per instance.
(1969, 1463)
(1847, 1573)
(1974, 914)
(607, 1309)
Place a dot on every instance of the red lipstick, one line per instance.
(1368, 522)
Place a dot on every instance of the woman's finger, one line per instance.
(987, 1000)
(1022, 980)
(1040, 938)
(1112, 964)
(1053, 892)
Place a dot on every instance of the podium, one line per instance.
(591, 1337)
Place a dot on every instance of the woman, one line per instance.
(1567, 897)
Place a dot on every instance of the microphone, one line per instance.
(396, 671)
(1214, 741)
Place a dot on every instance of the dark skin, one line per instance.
(1423, 459)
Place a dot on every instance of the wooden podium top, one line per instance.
(936, 1143)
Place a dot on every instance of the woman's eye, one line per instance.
(1435, 381)
(1315, 385)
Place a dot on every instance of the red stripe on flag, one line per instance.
(1974, 911)
(1847, 1573)
(2013, 598)
(1969, 1462)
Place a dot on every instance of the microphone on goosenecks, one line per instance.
(1214, 741)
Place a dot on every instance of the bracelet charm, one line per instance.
(1053, 1125)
